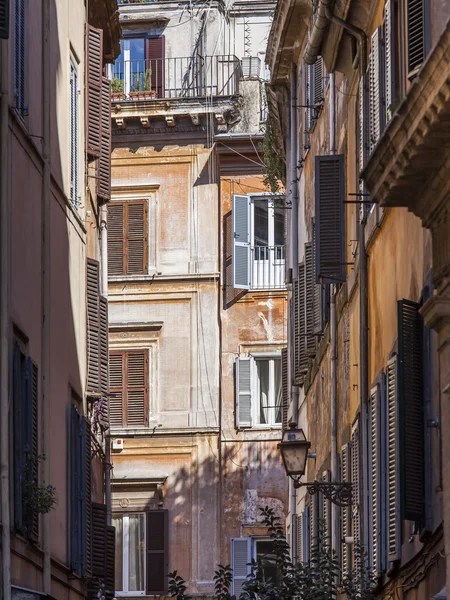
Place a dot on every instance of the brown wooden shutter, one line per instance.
(136, 388)
(301, 308)
(104, 376)
(285, 386)
(99, 541)
(110, 562)
(154, 55)
(104, 163)
(136, 243)
(157, 551)
(34, 524)
(88, 492)
(93, 325)
(416, 32)
(309, 301)
(4, 19)
(116, 379)
(94, 90)
(116, 245)
(394, 519)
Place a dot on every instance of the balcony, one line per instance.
(267, 267)
(165, 78)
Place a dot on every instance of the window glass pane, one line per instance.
(262, 367)
(117, 522)
(278, 391)
(261, 225)
(278, 234)
(136, 553)
(265, 554)
(137, 49)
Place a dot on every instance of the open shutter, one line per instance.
(314, 513)
(241, 242)
(393, 461)
(116, 378)
(318, 87)
(306, 534)
(19, 422)
(94, 89)
(157, 551)
(374, 454)
(411, 410)
(75, 491)
(285, 386)
(116, 238)
(375, 89)
(346, 515)
(136, 241)
(19, 57)
(154, 55)
(319, 293)
(326, 510)
(330, 226)
(30, 444)
(104, 163)
(309, 301)
(301, 310)
(137, 388)
(85, 487)
(93, 323)
(307, 102)
(244, 392)
(74, 127)
(33, 525)
(295, 320)
(99, 558)
(299, 538)
(416, 29)
(240, 559)
(110, 562)
(355, 470)
(104, 375)
(4, 19)
(390, 57)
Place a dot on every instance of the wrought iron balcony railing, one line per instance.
(267, 267)
(186, 77)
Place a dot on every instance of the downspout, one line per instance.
(46, 231)
(4, 370)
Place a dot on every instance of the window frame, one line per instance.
(255, 407)
(125, 554)
(147, 388)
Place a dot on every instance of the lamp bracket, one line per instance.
(339, 493)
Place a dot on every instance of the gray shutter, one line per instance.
(389, 58)
(4, 19)
(326, 509)
(74, 125)
(241, 242)
(285, 386)
(374, 453)
(244, 392)
(375, 89)
(314, 512)
(240, 559)
(330, 218)
(307, 101)
(411, 410)
(319, 291)
(393, 461)
(318, 87)
(416, 38)
(346, 515)
(19, 420)
(300, 314)
(19, 56)
(299, 538)
(306, 534)
(98, 549)
(309, 301)
(355, 470)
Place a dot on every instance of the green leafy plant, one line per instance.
(39, 498)
(273, 159)
(117, 85)
(148, 80)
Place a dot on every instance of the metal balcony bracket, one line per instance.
(339, 493)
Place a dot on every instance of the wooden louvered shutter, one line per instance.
(309, 301)
(19, 420)
(416, 35)
(19, 57)
(346, 514)
(376, 111)
(116, 245)
(306, 534)
(241, 242)
(4, 19)
(94, 90)
(157, 551)
(104, 163)
(301, 310)
(136, 239)
(104, 354)
(319, 304)
(411, 410)
(355, 471)
(375, 486)
(244, 392)
(117, 393)
(295, 320)
(394, 518)
(110, 562)
(93, 325)
(299, 533)
(74, 145)
(390, 58)
(99, 541)
(329, 218)
(307, 102)
(318, 86)
(33, 525)
(154, 60)
(136, 388)
(285, 386)
(85, 486)
(30, 444)
(75, 491)
(326, 510)
(240, 559)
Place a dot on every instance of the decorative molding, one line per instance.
(145, 122)
(170, 120)
(120, 122)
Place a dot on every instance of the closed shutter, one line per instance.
(243, 392)
(329, 219)
(374, 454)
(355, 470)
(85, 487)
(157, 551)
(136, 388)
(390, 57)
(154, 55)
(393, 461)
(104, 375)
(110, 562)
(301, 311)
(93, 325)
(346, 515)
(241, 242)
(99, 540)
(104, 163)
(136, 241)
(299, 533)
(240, 559)
(309, 301)
(116, 379)
(4, 19)
(375, 89)
(19, 56)
(416, 35)
(285, 385)
(411, 410)
(116, 237)
(33, 525)
(94, 90)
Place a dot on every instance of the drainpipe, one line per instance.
(46, 232)
(4, 370)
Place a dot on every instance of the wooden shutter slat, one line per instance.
(285, 386)
(93, 322)
(136, 227)
(104, 163)
(4, 19)
(104, 362)
(136, 389)
(157, 551)
(116, 256)
(94, 89)
(116, 379)
(110, 562)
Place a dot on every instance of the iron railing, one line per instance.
(186, 77)
(267, 267)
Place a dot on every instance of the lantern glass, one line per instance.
(294, 451)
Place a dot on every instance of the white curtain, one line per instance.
(136, 553)
(263, 377)
(278, 392)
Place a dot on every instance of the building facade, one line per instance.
(195, 333)
(367, 252)
(55, 181)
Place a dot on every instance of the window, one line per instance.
(140, 66)
(258, 391)
(243, 550)
(74, 147)
(258, 242)
(128, 381)
(127, 237)
(141, 553)
(19, 57)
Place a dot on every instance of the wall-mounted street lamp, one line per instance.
(294, 449)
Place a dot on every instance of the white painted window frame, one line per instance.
(125, 557)
(271, 357)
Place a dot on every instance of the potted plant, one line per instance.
(117, 89)
(142, 86)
